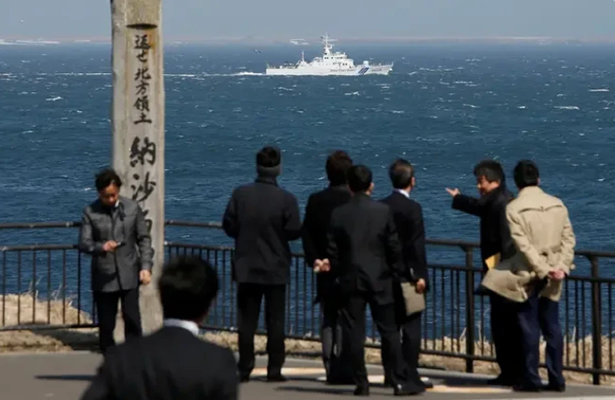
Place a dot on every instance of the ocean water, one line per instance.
(444, 108)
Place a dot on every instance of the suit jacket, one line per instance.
(171, 364)
(318, 212)
(262, 218)
(542, 233)
(494, 232)
(408, 217)
(364, 249)
(125, 223)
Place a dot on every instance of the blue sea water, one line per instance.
(444, 108)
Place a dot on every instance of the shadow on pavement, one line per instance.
(316, 390)
(65, 377)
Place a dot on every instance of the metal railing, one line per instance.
(54, 292)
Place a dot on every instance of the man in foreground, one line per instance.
(543, 235)
(365, 257)
(262, 218)
(173, 363)
(495, 245)
(114, 232)
(318, 212)
(408, 217)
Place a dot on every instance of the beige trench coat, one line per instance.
(542, 233)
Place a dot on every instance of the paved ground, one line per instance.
(65, 376)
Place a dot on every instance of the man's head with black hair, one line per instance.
(108, 184)
(401, 173)
(338, 164)
(269, 162)
(188, 286)
(489, 176)
(360, 180)
(526, 174)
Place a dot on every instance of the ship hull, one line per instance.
(312, 71)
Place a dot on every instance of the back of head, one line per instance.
(491, 170)
(338, 164)
(188, 286)
(401, 173)
(268, 161)
(359, 178)
(526, 174)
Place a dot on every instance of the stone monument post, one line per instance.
(138, 113)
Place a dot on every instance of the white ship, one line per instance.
(331, 63)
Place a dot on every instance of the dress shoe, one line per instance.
(276, 378)
(554, 388)
(361, 391)
(427, 384)
(408, 390)
(339, 381)
(244, 378)
(523, 387)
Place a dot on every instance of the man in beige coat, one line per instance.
(542, 233)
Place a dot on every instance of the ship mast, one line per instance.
(327, 46)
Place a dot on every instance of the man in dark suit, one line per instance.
(495, 241)
(115, 233)
(408, 217)
(173, 363)
(365, 256)
(262, 218)
(318, 212)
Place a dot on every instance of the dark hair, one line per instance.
(106, 178)
(526, 174)
(401, 173)
(268, 157)
(491, 170)
(359, 178)
(188, 286)
(338, 164)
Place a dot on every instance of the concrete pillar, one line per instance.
(138, 113)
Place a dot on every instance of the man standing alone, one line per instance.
(115, 233)
(262, 218)
(495, 245)
(318, 212)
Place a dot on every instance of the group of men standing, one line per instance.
(364, 252)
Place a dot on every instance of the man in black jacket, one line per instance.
(173, 363)
(318, 212)
(408, 217)
(495, 241)
(262, 218)
(365, 256)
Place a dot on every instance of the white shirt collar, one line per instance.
(402, 192)
(179, 323)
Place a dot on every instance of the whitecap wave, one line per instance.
(599, 90)
(57, 98)
(471, 106)
(352, 94)
(568, 108)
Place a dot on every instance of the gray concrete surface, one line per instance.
(65, 376)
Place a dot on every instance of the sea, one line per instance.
(445, 107)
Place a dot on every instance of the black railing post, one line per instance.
(469, 309)
(596, 321)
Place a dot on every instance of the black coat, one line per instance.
(408, 217)
(364, 249)
(171, 364)
(318, 212)
(262, 218)
(494, 233)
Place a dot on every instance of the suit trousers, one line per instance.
(530, 339)
(106, 307)
(353, 330)
(548, 317)
(505, 332)
(249, 298)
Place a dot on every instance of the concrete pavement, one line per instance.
(65, 376)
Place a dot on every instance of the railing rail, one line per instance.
(43, 286)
